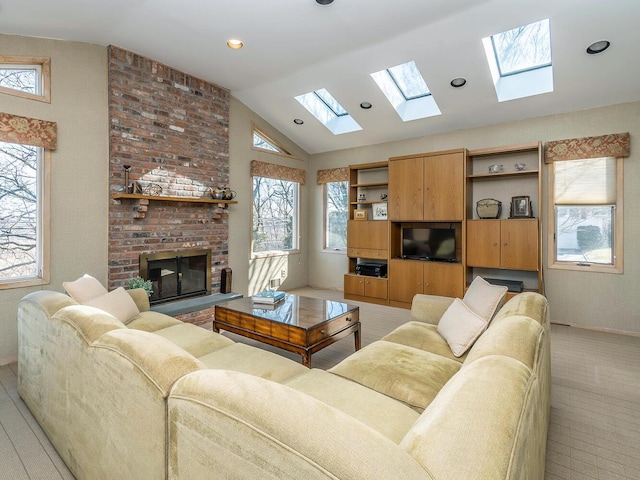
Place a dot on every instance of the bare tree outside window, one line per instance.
(21, 79)
(523, 48)
(336, 215)
(18, 211)
(275, 215)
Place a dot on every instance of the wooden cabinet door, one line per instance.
(376, 287)
(406, 189)
(353, 284)
(405, 280)
(519, 240)
(368, 234)
(444, 187)
(445, 279)
(483, 243)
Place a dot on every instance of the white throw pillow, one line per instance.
(84, 289)
(484, 298)
(460, 327)
(117, 303)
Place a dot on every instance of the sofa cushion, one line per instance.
(460, 327)
(405, 373)
(484, 298)
(152, 321)
(423, 336)
(84, 289)
(195, 340)
(254, 361)
(478, 426)
(516, 336)
(358, 401)
(117, 303)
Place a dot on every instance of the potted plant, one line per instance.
(139, 282)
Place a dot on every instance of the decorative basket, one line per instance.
(488, 208)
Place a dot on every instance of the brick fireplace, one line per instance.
(172, 131)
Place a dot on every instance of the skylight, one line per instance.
(322, 105)
(520, 61)
(406, 90)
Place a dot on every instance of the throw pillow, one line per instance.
(117, 303)
(84, 289)
(460, 327)
(484, 298)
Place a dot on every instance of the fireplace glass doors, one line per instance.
(177, 274)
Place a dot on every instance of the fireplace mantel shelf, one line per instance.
(165, 198)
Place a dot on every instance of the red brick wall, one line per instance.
(173, 130)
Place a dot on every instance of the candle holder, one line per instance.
(127, 188)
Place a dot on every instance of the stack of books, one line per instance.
(268, 297)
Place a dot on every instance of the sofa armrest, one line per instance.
(242, 426)
(429, 308)
(141, 298)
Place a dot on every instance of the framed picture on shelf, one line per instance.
(521, 207)
(379, 211)
(359, 214)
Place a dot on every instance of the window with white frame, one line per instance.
(275, 215)
(23, 235)
(585, 214)
(336, 214)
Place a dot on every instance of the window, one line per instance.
(587, 212)
(275, 215)
(335, 215)
(322, 105)
(23, 215)
(262, 141)
(520, 61)
(27, 77)
(406, 90)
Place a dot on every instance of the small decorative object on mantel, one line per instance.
(488, 208)
(151, 189)
(128, 188)
(521, 207)
(222, 193)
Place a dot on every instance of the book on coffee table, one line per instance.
(268, 297)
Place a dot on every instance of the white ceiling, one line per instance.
(296, 46)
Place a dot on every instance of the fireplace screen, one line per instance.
(178, 274)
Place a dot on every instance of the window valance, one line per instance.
(614, 145)
(279, 172)
(333, 175)
(28, 131)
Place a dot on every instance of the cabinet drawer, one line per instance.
(319, 333)
(367, 253)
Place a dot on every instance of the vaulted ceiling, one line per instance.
(293, 47)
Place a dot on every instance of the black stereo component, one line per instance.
(512, 285)
(372, 269)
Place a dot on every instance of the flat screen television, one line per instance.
(429, 243)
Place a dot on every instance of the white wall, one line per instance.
(252, 275)
(79, 166)
(606, 301)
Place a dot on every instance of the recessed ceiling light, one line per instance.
(458, 82)
(366, 105)
(598, 47)
(298, 121)
(324, 2)
(235, 44)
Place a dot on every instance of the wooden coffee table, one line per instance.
(297, 324)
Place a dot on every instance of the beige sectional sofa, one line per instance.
(158, 398)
